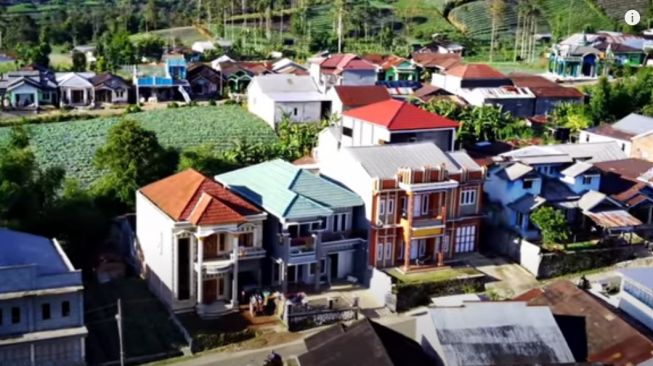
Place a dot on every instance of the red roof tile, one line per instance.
(543, 87)
(353, 96)
(475, 71)
(347, 61)
(442, 61)
(189, 195)
(399, 116)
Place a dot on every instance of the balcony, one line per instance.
(252, 252)
(426, 225)
(216, 265)
(345, 240)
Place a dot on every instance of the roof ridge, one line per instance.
(392, 119)
(200, 182)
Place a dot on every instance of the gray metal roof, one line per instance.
(590, 200)
(527, 203)
(383, 161)
(576, 169)
(517, 170)
(644, 276)
(635, 124)
(495, 333)
(593, 152)
(464, 160)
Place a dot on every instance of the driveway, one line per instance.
(510, 279)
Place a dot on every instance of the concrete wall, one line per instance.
(636, 309)
(356, 77)
(642, 147)
(298, 111)
(56, 352)
(585, 137)
(545, 105)
(380, 285)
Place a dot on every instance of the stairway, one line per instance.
(185, 94)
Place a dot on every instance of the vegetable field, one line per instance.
(72, 145)
(187, 35)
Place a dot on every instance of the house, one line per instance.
(388, 122)
(519, 102)
(341, 69)
(162, 81)
(442, 46)
(41, 303)
(29, 88)
(423, 205)
(625, 181)
(400, 89)
(575, 62)
(346, 97)
(238, 74)
(622, 54)
(203, 46)
(634, 133)
(201, 244)
(312, 233)
(296, 97)
(363, 343)
(469, 76)
(205, 82)
(493, 333)
(548, 94)
(435, 63)
(76, 89)
(393, 68)
(109, 89)
(636, 295)
(562, 176)
(288, 66)
(88, 51)
(427, 93)
(610, 339)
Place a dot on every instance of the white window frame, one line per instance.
(388, 249)
(465, 239)
(381, 206)
(379, 251)
(587, 179)
(421, 248)
(468, 197)
(391, 206)
(425, 204)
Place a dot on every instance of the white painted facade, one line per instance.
(162, 241)
(589, 137)
(636, 300)
(450, 83)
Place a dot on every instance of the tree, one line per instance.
(600, 100)
(205, 159)
(552, 224)
(150, 47)
(497, 8)
(79, 61)
(116, 48)
(130, 158)
(151, 15)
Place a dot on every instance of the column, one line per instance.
(407, 241)
(200, 270)
(36, 99)
(317, 238)
(283, 276)
(234, 291)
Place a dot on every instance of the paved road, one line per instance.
(245, 358)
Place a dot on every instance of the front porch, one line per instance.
(77, 97)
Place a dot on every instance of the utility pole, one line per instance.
(119, 321)
(340, 29)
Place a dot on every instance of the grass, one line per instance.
(435, 275)
(72, 145)
(148, 329)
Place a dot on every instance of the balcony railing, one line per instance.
(344, 235)
(251, 252)
(429, 215)
(302, 241)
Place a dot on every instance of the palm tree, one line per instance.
(497, 8)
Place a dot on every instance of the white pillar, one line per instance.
(200, 263)
(234, 292)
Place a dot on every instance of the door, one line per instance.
(221, 287)
(333, 259)
(292, 274)
(388, 253)
(210, 288)
(417, 205)
(413, 249)
(421, 251)
(211, 246)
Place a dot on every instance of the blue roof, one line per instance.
(18, 248)
(643, 276)
(287, 191)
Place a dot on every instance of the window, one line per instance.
(388, 250)
(587, 138)
(391, 206)
(347, 131)
(623, 147)
(15, 315)
(379, 252)
(587, 179)
(404, 205)
(120, 93)
(519, 219)
(381, 206)
(65, 309)
(343, 222)
(314, 265)
(294, 111)
(468, 197)
(425, 204)
(45, 311)
(339, 223)
(528, 184)
(465, 239)
(400, 255)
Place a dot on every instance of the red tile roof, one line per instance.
(475, 71)
(354, 96)
(385, 62)
(399, 116)
(442, 61)
(543, 87)
(348, 61)
(190, 196)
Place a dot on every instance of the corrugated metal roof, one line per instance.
(285, 83)
(590, 200)
(635, 124)
(287, 191)
(383, 161)
(576, 169)
(464, 160)
(613, 219)
(18, 248)
(567, 153)
(527, 203)
(495, 333)
(517, 170)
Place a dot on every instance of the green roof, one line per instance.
(287, 191)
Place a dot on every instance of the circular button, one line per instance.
(632, 17)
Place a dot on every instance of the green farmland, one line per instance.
(72, 144)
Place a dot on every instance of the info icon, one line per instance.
(632, 17)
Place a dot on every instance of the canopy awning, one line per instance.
(613, 219)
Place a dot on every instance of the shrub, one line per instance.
(410, 295)
(212, 102)
(205, 341)
(192, 103)
(173, 105)
(133, 108)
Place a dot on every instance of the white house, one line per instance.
(636, 296)
(203, 46)
(274, 96)
(633, 133)
(76, 89)
(341, 69)
(201, 244)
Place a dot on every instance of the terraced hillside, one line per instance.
(615, 9)
(569, 16)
